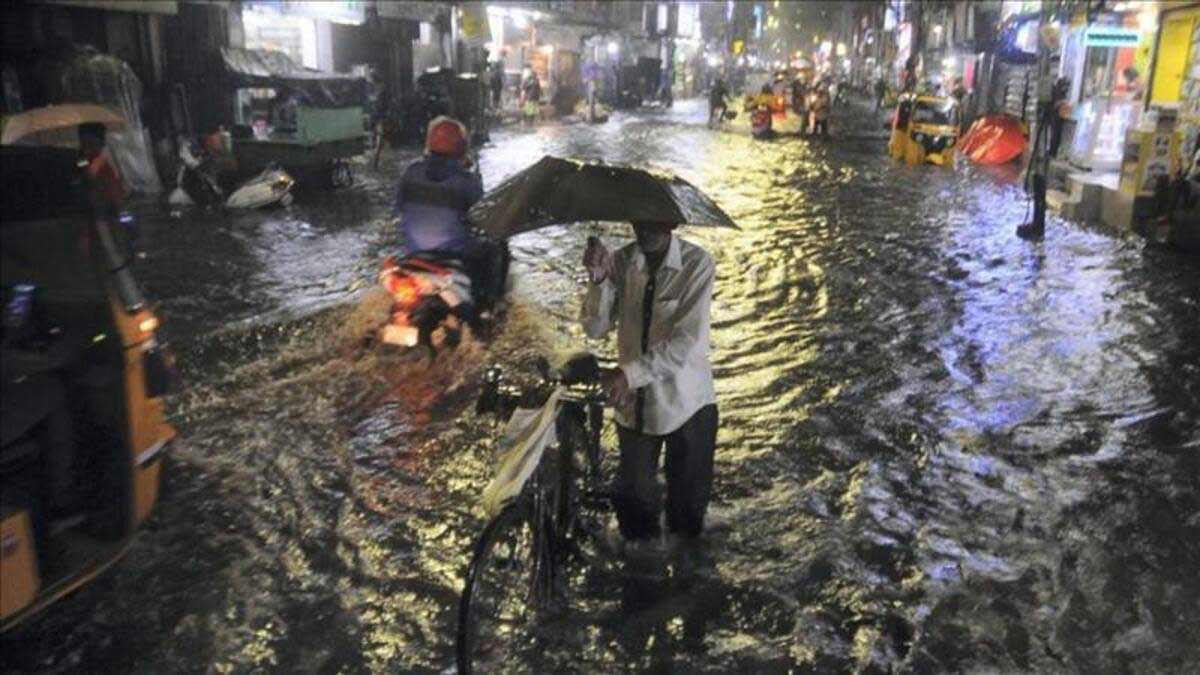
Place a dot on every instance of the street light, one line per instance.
(613, 48)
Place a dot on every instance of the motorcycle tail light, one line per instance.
(402, 288)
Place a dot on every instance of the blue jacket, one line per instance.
(432, 200)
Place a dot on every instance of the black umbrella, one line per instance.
(558, 190)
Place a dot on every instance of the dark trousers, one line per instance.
(689, 468)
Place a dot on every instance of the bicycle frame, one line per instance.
(550, 501)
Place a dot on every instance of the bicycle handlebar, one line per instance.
(579, 376)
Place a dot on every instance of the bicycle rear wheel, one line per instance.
(505, 588)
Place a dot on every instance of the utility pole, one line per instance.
(1039, 155)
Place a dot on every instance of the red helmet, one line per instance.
(446, 136)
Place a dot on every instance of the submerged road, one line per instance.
(942, 448)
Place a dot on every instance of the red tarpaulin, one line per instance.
(995, 139)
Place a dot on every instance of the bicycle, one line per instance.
(517, 562)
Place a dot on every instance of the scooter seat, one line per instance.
(449, 260)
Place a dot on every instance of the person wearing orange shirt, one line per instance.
(107, 188)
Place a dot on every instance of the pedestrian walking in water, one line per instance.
(531, 96)
(497, 84)
(657, 292)
(818, 109)
(718, 106)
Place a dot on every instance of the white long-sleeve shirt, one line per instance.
(674, 371)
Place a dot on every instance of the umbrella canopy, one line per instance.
(57, 125)
(558, 190)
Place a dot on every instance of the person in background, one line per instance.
(800, 101)
(657, 292)
(818, 110)
(531, 95)
(282, 109)
(880, 92)
(717, 103)
(959, 91)
(497, 83)
(1060, 112)
(1133, 83)
(106, 186)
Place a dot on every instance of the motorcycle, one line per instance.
(436, 295)
(761, 125)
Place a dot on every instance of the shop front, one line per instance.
(1104, 64)
(1175, 78)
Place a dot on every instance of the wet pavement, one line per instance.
(943, 449)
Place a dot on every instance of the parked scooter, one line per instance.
(272, 186)
(195, 184)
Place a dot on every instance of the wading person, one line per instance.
(657, 292)
(717, 105)
(432, 200)
(818, 109)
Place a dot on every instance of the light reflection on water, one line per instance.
(941, 449)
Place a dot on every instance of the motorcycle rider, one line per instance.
(432, 200)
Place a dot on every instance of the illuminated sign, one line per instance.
(1111, 36)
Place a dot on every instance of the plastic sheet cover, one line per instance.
(89, 76)
(261, 68)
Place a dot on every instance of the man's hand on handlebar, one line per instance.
(616, 387)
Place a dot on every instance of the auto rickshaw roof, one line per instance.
(267, 69)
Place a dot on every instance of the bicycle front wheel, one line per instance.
(502, 595)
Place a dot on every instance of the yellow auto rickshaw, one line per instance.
(924, 129)
(80, 348)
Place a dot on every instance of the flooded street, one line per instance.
(942, 448)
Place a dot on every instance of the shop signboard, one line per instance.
(1149, 155)
(473, 24)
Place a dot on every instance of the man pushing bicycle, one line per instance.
(657, 292)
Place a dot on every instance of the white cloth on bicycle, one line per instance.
(526, 436)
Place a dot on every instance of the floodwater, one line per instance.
(942, 448)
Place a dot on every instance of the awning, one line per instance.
(143, 7)
(260, 68)
(410, 11)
